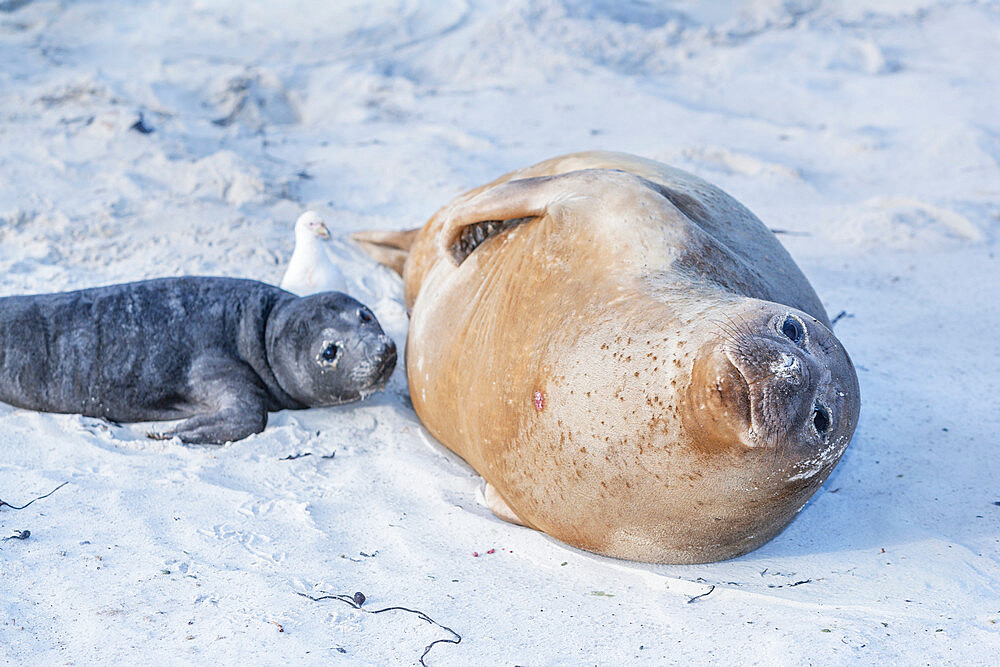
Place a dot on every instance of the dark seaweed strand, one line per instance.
(472, 236)
(842, 314)
(698, 597)
(15, 507)
(357, 600)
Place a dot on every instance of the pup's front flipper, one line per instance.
(499, 506)
(234, 400)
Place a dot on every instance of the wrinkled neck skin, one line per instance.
(281, 386)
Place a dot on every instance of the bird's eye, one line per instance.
(821, 419)
(330, 352)
(365, 315)
(793, 330)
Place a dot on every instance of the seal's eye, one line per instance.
(330, 352)
(793, 330)
(365, 315)
(821, 419)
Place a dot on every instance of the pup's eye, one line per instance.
(821, 419)
(330, 352)
(365, 315)
(793, 330)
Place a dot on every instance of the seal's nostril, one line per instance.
(821, 419)
(793, 329)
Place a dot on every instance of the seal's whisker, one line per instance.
(730, 332)
(739, 338)
(742, 324)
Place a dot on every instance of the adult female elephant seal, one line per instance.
(221, 352)
(627, 355)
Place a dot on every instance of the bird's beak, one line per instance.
(322, 231)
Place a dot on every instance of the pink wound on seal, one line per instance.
(539, 401)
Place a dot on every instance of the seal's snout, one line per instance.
(802, 390)
(788, 367)
(765, 386)
(781, 385)
(763, 359)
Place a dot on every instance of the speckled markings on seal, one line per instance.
(626, 354)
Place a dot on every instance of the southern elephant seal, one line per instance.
(220, 352)
(627, 355)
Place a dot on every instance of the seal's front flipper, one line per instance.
(500, 508)
(235, 404)
(226, 425)
(389, 248)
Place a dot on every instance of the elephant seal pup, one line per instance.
(220, 352)
(627, 355)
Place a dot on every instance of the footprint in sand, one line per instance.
(900, 223)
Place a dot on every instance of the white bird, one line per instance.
(310, 269)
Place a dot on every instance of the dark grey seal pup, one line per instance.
(221, 352)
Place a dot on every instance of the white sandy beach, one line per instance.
(868, 134)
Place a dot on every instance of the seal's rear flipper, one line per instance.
(389, 248)
(500, 508)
